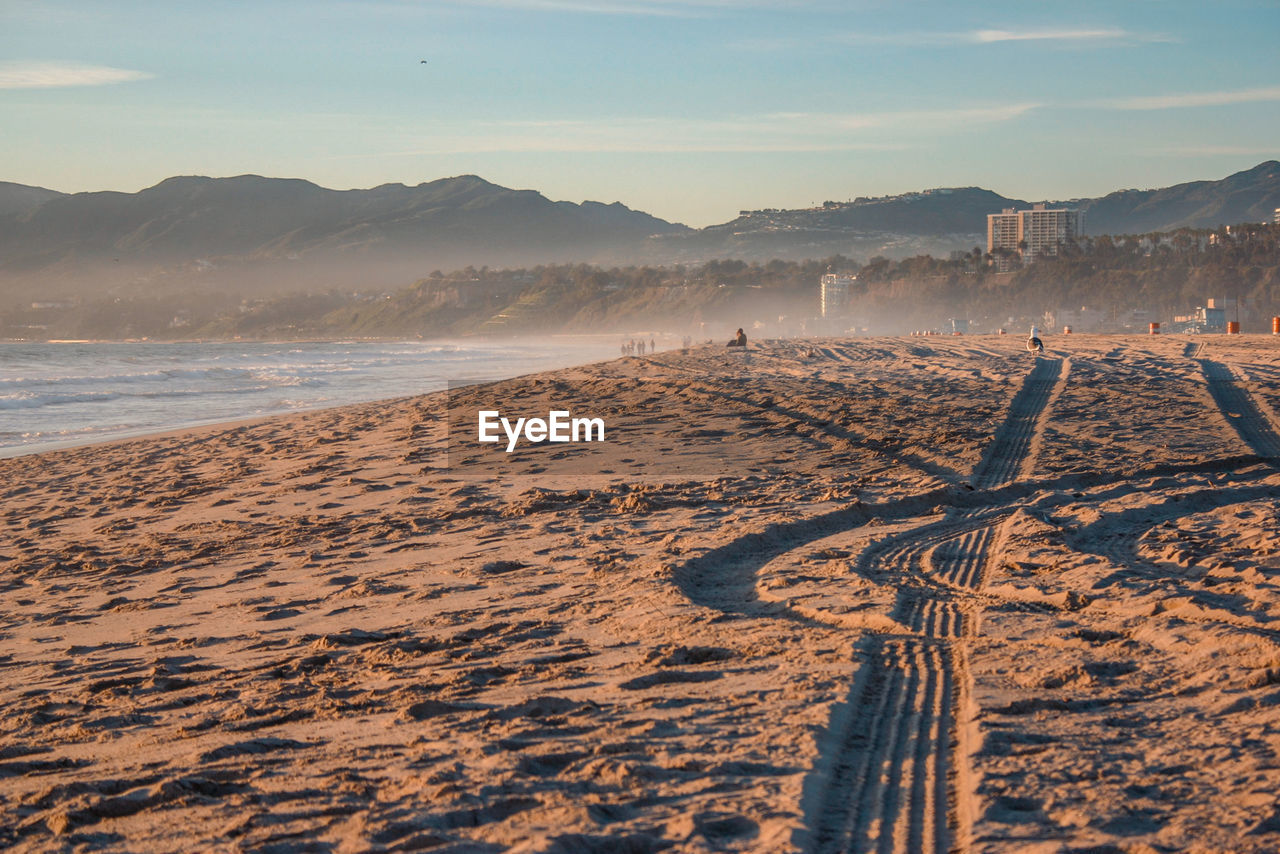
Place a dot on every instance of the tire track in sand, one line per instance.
(895, 778)
(1010, 447)
(1240, 410)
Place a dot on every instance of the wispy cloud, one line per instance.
(54, 75)
(653, 8)
(641, 136)
(771, 132)
(1193, 99)
(907, 119)
(1272, 151)
(1047, 35)
(1076, 36)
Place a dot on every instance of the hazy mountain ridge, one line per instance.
(941, 220)
(304, 234)
(927, 222)
(16, 199)
(256, 234)
(1249, 196)
(190, 216)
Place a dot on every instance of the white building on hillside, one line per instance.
(1029, 234)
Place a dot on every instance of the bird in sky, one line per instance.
(422, 62)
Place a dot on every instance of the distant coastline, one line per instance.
(59, 395)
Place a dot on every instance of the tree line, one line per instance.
(1164, 274)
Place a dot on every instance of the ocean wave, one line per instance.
(29, 400)
(36, 400)
(57, 393)
(163, 375)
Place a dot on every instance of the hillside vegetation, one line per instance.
(1163, 274)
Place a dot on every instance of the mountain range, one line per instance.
(253, 234)
(259, 235)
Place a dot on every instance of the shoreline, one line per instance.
(15, 451)
(806, 594)
(392, 339)
(486, 373)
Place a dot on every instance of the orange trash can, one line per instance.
(1155, 329)
(1233, 327)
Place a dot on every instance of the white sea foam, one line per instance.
(59, 394)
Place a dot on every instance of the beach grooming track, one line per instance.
(1009, 450)
(895, 772)
(1239, 409)
(1117, 536)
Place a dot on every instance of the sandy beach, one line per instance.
(915, 594)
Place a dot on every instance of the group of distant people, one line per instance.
(636, 348)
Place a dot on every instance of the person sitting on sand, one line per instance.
(739, 340)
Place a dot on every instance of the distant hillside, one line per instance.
(254, 232)
(928, 222)
(1250, 196)
(259, 236)
(937, 222)
(20, 199)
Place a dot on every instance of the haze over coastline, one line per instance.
(248, 256)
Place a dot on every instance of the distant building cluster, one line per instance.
(1014, 235)
(1087, 319)
(1211, 317)
(836, 288)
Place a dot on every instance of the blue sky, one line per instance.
(688, 109)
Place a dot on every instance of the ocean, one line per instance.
(56, 395)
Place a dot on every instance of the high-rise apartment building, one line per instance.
(1029, 234)
(835, 294)
(1004, 230)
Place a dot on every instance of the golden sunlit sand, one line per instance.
(922, 594)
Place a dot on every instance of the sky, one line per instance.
(690, 110)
